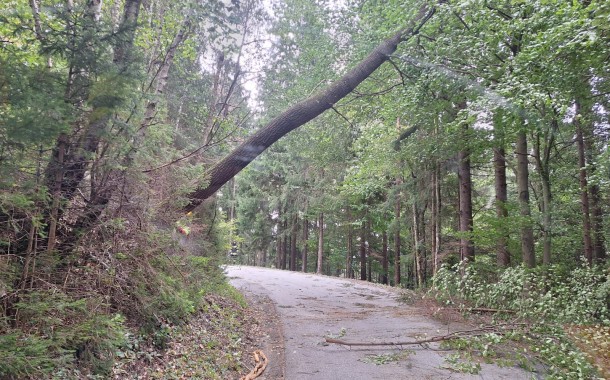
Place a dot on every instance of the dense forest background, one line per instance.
(474, 161)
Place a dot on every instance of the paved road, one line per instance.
(312, 307)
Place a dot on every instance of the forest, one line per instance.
(457, 148)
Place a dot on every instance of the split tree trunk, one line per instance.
(543, 144)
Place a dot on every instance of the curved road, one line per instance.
(312, 307)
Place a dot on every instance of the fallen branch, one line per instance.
(440, 338)
(260, 364)
(490, 310)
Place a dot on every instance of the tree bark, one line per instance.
(436, 216)
(305, 238)
(527, 233)
(303, 112)
(397, 206)
(279, 245)
(384, 258)
(599, 244)
(416, 247)
(465, 184)
(543, 144)
(502, 254)
(278, 249)
(285, 244)
(349, 273)
(320, 243)
(368, 255)
(363, 251)
(131, 12)
(293, 243)
(597, 214)
(584, 191)
(161, 80)
(70, 159)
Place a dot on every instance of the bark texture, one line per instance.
(363, 251)
(305, 238)
(320, 243)
(584, 191)
(502, 254)
(384, 258)
(466, 221)
(527, 233)
(397, 207)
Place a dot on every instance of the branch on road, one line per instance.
(261, 361)
(494, 329)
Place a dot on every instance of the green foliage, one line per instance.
(381, 359)
(464, 365)
(553, 294)
(549, 298)
(57, 330)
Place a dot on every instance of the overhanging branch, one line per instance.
(304, 111)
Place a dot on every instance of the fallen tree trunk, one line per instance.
(303, 112)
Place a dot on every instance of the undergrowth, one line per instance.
(560, 317)
(121, 289)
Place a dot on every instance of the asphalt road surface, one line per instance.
(312, 307)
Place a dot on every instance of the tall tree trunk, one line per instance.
(349, 272)
(436, 216)
(416, 247)
(502, 254)
(384, 258)
(599, 245)
(320, 243)
(304, 111)
(543, 144)
(57, 193)
(597, 215)
(368, 256)
(70, 170)
(363, 251)
(527, 233)
(285, 245)
(233, 200)
(584, 191)
(293, 243)
(397, 206)
(305, 238)
(278, 249)
(465, 184)
(279, 245)
(162, 76)
(122, 50)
